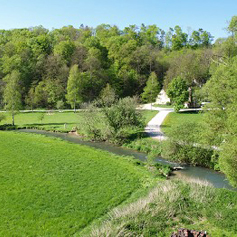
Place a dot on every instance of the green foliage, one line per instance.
(179, 38)
(123, 114)
(220, 118)
(145, 144)
(60, 104)
(178, 92)
(228, 159)
(64, 49)
(51, 180)
(186, 144)
(188, 153)
(151, 89)
(233, 25)
(74, 86)
(171, 205)
(123, 58)
(107, 96)
(114, 123)
(12, 95)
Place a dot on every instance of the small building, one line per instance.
(162, 98)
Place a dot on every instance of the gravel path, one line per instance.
(153, 128)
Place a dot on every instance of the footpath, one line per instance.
(153, 128)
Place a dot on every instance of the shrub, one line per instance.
(189, 154)
(186, 145)
(114, 123)
(60, 104)
(8, 127)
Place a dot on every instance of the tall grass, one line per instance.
(172, 205)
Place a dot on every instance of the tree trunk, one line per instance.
(13, 122)
(190, 97)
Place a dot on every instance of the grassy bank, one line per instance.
(54, 188)
(172, 205)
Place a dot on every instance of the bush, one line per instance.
(188, 154)
(145, 144)
(114, 123)
(8, 127)
(60, 104)
(186, 145)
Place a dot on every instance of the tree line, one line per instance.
(42, 63)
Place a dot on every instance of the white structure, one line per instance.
(162, 98)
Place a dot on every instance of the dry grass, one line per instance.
(170, 205)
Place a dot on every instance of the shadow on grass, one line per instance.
(137, 135)
(190, 112)
(47, 124)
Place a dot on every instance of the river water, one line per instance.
(201, 174)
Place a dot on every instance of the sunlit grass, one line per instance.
(173, 119)
(58, 121)
(51, 187)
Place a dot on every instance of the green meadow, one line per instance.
(173, 119)
(57, 121)
(50, 187)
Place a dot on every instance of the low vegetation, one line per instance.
(171, 205)
(145, 144)
(50, 187)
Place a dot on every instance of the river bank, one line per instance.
(216, 179)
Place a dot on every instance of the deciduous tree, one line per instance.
(12, 95)
(178, 92)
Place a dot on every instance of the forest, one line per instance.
(40, 61)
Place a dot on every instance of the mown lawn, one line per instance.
(58, 121)
(50, 187)
(174, 119)
(163, 106)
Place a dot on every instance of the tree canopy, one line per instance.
(122, 58)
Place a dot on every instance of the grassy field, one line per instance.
(163, 106)
(174, 119)
(50, 187)
(57, 120)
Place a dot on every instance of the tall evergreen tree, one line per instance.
(151, 89)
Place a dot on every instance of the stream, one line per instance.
(212, 177)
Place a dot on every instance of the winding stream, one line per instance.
(216, 179)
